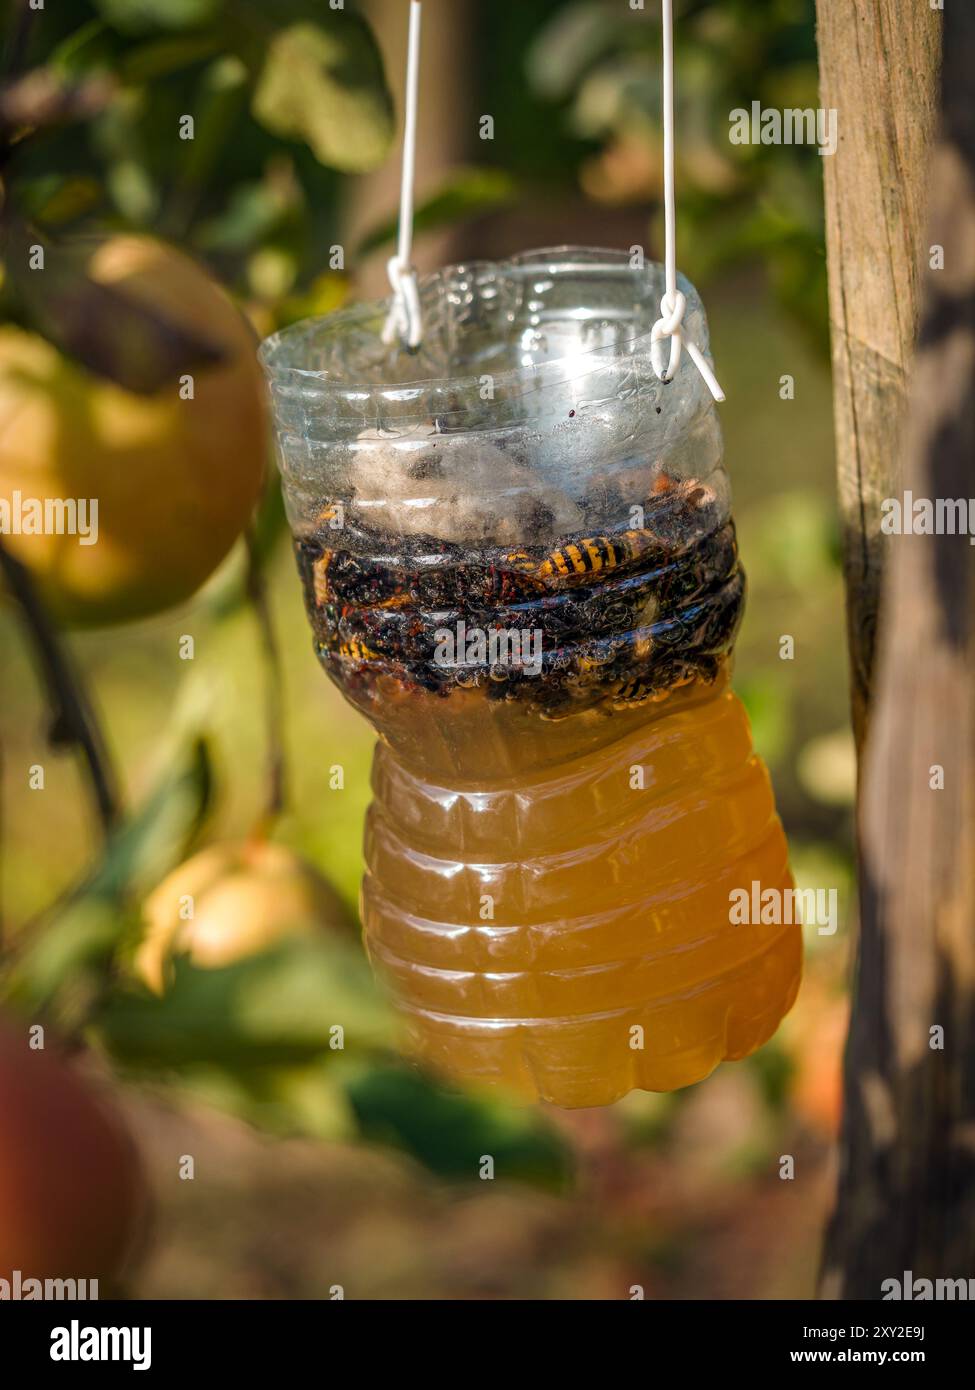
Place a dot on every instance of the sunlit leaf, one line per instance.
(326, 293)
(274, 1008)
(326, 86)
(133, 191)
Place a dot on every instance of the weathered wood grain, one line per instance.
(878, 64)
(906, 1197)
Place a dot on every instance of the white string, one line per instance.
(404, 321)
(673, 303)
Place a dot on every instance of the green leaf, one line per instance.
(91, 45)
(157, 58)
(278, 1007)
(252, 213)
(159, 835)
(326, 86)
(142, 16)
(303, 1101)
(576, 37)
(60, 969)
(56, 200)
(450, 1131)
(75, 941)
(467, 193)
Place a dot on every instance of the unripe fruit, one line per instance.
(73, 1199)
(234, 900)
(176, 479)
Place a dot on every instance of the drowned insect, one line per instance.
(637, 692)
(596, 658)
(357, 651)
(319, 570)
(590, 555)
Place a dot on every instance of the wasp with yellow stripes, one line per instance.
(357, 651)
(590, 555)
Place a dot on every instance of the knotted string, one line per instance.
(673, 303)
(404, 321)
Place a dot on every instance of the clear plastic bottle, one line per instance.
(519, 564)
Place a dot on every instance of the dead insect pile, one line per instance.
(623, 615)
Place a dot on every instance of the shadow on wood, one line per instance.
(906, 1197)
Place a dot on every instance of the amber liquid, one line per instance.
(549, 902)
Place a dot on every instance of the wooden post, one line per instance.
(878, 63)
(906, 1197)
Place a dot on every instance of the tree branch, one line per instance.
(72, 719)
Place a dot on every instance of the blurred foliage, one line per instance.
(324, 86)
(451, 1131)
(297, 1038)
(279, 1006)
(466, 193)
(62, 961)
(221, 124)
(599, 62)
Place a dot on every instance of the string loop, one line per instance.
(668, 326)
(673, 303)
(404, 321)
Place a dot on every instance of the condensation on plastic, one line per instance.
(545, 918)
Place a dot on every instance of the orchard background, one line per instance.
(203, 711)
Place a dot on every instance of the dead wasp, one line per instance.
(590, 555)
(357, 651)
(638, 692)
(319, 570)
